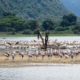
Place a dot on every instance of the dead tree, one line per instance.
(46, 37)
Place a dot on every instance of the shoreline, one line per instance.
(24, 64)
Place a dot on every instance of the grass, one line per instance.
(19, 34)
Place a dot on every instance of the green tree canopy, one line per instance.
(32, 24)
(68, 20)
(8, 14)
(46, 23)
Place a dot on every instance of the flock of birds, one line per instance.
(49, 53)
(36, 44)
(56, 48)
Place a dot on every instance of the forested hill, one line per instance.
(73, 5)
(34, 9)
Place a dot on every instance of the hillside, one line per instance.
(73, 5)
(34, 9)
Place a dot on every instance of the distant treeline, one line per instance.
(10, 23)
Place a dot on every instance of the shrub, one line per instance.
(27, 31)
(59, 28)
(35, 32)
(76, 32)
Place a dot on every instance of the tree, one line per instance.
(72, 18)
(46, 23)
(68, 20)
(64, 23)
(76, 32)
(9, 22)
(76, 27)
(18, 25)
(8, 14)
(32, 24)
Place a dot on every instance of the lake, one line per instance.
(61, 38)
(54, 72)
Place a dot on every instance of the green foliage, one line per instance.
(11, 24)
(27, 31)
(46, 23)
(76, 32)
(59, 28)
(8, 14)
(13, 33)
(35, 32)
(69, 20)
(34, 9)
(32, 24)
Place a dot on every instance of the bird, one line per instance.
(66, 56)
(13, 55)
(9, 43)
(48, 53)
(22, 54)
(7, 54)
(60, 55)
(16, 43)
(36, 53)
(42, 54)
(72, 55)
(29, 54)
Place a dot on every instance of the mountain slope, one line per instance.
(73, 5)
(34, 9)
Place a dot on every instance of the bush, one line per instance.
(59, 28)
(13, 33)
(35, 32)
(27, 31)
(76, 32)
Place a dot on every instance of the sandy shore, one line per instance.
(26, 61)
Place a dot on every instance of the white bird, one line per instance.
(60, 55)
(29, 54)
(42, 54)
(36, 53)
(72, 55)
(22, 54)
(13, 55)
(66, 56)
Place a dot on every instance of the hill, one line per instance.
(34, 9)
(72, 5)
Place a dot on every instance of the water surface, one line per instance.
(59, 38)
(65, 72)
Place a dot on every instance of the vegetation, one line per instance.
(34, 9)
(12, 25)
